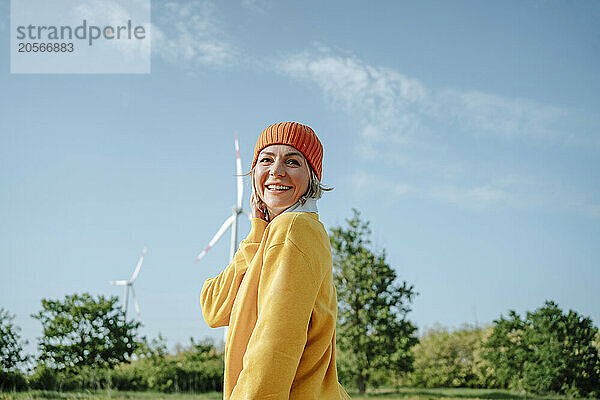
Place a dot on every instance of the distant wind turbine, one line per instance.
(236, 211)
(129, 285)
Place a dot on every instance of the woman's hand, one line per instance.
(258, 207)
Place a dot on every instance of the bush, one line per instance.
(12, 381)
(548, 351)
(198, 368)
(128, 377)
(345, 369)
(43, 378)
(173, 376)
(451, 358)
(83, 378)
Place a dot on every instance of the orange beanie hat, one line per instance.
(299, 136)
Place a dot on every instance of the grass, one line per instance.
(387, 394)
(107, 394)
(450, 394)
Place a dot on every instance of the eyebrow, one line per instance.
(293, 153)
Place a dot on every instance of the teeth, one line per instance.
(278, 187)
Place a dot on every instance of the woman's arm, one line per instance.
(218, 293)
(287, 293)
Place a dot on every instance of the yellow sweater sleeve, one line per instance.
(287, 292)
(218, 293)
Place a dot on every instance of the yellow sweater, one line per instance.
(278, 298)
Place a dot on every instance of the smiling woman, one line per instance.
(277, 295)
(280, 177)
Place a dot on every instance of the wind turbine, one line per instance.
(236, 211)
(129, 285)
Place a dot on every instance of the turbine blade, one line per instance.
(138, 266)
(233, 247)
(219, 233)
(120, 283)
(135, 302)
(240, 182)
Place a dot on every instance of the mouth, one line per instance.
(277, 188)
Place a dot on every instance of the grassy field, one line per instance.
(105, 394)
(388, 394)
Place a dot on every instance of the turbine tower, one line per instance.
(129, 285)
(236, 211)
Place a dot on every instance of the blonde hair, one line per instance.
(315, 188)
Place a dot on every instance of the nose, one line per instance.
(277, 169)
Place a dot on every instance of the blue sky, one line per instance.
(468, 133)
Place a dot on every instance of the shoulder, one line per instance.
(295, 224)
(306, 233)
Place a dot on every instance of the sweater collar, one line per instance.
(310, 205)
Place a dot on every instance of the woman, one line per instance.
(277, 296)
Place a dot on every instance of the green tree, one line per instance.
(373, 333)
(201, 351)
(154, 350)
(506, 350)
(11, 345)
(452, 358)
(198, 367)
(548, 351)
(11, 354)
(85, 331)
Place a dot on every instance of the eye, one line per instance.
(293, 162)
(265, 159)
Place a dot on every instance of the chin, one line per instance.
(279, 206)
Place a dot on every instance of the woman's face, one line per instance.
(281, 177)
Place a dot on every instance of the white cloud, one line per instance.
(187, 34)
(111, 12)
(514, 191)
(478, 197)
(511, 118)
(387, 103)
(256, 6)
(394, 107)
(522, 192)
(402, 123)
(378, 151)
(594, 210)
(363, 182)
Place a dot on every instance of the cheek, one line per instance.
(302, 183)
(305, 187)
(256, 180)
(306, 179)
